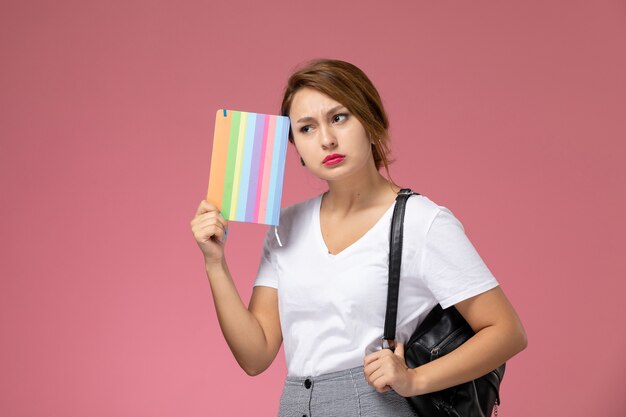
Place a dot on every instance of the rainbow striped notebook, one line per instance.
(247, 165)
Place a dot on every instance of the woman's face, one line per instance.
(323, 127)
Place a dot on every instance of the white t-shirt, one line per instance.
(332, 307)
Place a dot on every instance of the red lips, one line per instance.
(333, 156)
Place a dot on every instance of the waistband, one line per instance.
(325, 377)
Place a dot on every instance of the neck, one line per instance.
(358, 192)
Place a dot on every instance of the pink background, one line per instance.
(511, 115)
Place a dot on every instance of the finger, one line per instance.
(379, 381)
(205, 207)
(205, 221)
(379, 354)
(213, 215)
(371, 357)
(215, 231)
(209, 216)
(379, 377)
(374, 375)
(208, 229)
(222, 220)
(399, 350)
(368, 359)
(368, 370)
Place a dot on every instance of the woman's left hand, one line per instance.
(385, 369)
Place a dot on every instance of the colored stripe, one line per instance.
(218, 158)
(246, 166)
(238, 163)
(262, 163)
(230, 163)
(269, 216)
(254, 168)
(267, 170)
(279, 180)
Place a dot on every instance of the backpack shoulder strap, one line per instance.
(395, 263)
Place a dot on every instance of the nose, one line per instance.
(327, 138)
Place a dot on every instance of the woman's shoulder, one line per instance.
(422, 205)
(292, 220)
(297, 215)
(298, 209)
(427, 215)
(421, 212)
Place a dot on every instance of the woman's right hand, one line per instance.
(209, 229)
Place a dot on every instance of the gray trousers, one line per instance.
(339, 394)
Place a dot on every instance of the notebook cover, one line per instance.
(248, 165)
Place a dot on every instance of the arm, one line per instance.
(253, 334)
(499, 336)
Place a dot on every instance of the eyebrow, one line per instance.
(308, 118)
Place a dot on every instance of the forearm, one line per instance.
(242, 331)
(484, 352)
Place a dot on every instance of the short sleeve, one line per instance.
(267, 274)
(451, 267)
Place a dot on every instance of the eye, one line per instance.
(340, 117)
(305, 129)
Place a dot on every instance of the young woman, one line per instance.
(322, 280)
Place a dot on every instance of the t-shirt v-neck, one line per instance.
(317, 231)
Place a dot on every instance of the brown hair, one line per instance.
(347, 84)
